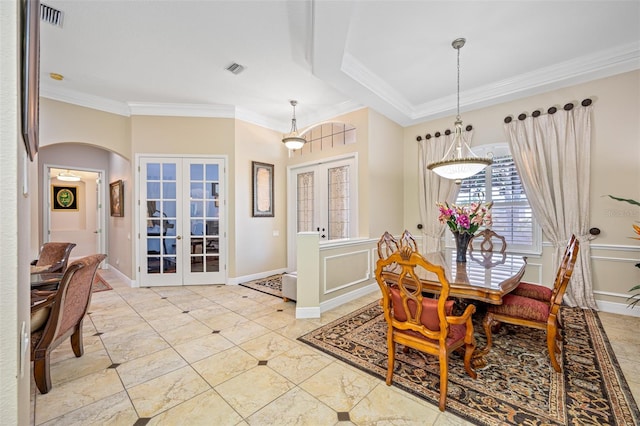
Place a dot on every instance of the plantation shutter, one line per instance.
(511, 212)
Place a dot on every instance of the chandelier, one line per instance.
(292, 140)
(459, 162)
(68, 176)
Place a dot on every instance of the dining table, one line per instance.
(46, 280)
(485, 277)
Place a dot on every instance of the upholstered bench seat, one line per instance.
(289, 286)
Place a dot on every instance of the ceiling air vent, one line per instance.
(235, 68)
(50, 15)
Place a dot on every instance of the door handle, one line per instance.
(179, 237)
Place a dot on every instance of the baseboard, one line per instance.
(618, 308)
(121, 276)
(313, 312)
(348, 297)
(251, 277)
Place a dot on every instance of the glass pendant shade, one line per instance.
(292, 141)
(68, 177)
(459, 162)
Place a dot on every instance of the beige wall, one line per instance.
(257, 247)
(385, 189)
(615, 161)
(63, 122)
(120, 244)
(15, 231)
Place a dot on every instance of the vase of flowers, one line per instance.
(464, 222)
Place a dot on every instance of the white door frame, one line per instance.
(46, 203)
(224, 247)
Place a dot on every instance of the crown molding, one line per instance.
(182, 110)
(82, 99)
(602, 64)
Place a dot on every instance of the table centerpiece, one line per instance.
(464, 221)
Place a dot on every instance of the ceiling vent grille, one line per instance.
(235, 68)
(50, 15)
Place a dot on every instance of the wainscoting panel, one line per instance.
(346, 269)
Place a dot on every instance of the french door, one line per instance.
(182, 221)
(325, 199)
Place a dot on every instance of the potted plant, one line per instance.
(634, 298)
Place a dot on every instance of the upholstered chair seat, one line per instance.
(533, 291)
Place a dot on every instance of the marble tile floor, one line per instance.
(228, 355)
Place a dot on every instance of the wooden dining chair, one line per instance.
(67, 311)
(528, 312)
(419, 322)
(538, 291)
(53, 257)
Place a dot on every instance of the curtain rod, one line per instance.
(438, 134)
(552, 110)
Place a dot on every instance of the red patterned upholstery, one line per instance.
(418, 322)
(522, 307)
(533, 291)
(65, 319)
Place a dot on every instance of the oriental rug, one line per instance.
(270, 285)
(517, 387)
(99, 284)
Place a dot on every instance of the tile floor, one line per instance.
(228, 355)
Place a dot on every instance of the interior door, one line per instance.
(181, 221)
(325, 200)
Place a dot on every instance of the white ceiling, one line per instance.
(169, 57)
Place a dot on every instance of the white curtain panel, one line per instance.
(552, 155)
(433, 188)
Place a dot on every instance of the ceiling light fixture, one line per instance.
(68, 177)
(292, 140)
(456, 164)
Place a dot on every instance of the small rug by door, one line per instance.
(517, 387)
(99, 284)
(270, 285)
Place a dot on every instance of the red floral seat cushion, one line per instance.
(522, 307)
(534, 291)
(456, 333)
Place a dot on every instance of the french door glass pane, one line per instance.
(305, 188)
(204, 215)
(338, 197)
(161, 218)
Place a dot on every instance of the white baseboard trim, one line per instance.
(121, 276)
(313, 312)
(348, 297)
(251, 277)
(618, 308)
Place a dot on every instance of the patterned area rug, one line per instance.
(518, 386)
(270, 285)
(99, 284)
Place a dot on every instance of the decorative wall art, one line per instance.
(116, 198)
(262, 189)
(64, 198)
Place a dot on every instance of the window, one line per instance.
(512, 214)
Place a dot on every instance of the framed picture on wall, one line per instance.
(116, 198)
(262, 189)
(64, 198)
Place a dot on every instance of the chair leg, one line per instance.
(552, 347)
(468, 356)
(487, 324)
(42, 374)
(76, 341)
(391, 358)
(444, 380)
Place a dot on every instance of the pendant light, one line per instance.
(292, 140)
(459, 162)
(68, 177)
